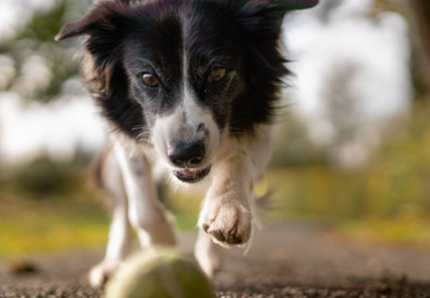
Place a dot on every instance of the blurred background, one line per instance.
(352, 145)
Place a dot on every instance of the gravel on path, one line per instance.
(284, 261)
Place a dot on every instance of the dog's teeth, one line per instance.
(191, 175)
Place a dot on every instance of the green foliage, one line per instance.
(44, 178)
(398, 232)
(45, 25)
(292, 146)
(395, 185)
(36, 41)
(399, 178)
(47, 206)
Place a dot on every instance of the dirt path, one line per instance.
(293, 261)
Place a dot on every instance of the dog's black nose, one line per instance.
(187, 155)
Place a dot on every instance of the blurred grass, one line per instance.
(38, 227)
(401, 231)
(47, 206)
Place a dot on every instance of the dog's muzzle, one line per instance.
(189, 158)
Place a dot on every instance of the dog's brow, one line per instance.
(138, 65)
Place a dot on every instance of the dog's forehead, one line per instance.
(155, 42)
(211, 26)
(183, 31)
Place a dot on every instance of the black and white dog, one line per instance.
(189, 86)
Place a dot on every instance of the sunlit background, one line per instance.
(352, 145)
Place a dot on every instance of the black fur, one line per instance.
(128, 38)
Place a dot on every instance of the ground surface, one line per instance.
(293, 261)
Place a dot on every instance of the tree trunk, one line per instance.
(420, 19)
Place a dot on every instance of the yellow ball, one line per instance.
(159, 273)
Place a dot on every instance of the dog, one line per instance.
(190, 86)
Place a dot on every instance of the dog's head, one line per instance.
(185, 74)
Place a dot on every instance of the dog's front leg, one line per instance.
(153, 224)
(120, 232)
(226, 213)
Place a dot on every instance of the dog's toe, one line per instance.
(218, 235)
(228, 224)
(101, 273)
(234, 240)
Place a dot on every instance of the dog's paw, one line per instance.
(101, 273)
(229, 224)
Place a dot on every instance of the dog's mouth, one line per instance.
(192, 175)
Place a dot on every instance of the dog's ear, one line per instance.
(296, 4)
(288, 4)
(105, 26)
(73, 29)
(281, 7)
(284, 6)
(102, 19)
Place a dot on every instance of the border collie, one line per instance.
(189, 86)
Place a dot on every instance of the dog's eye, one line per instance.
(217, 75)
(150, 80)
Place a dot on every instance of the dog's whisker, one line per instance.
(176, 188)
(168, 178)
(152, 158)
(235, 131)
(137, 127)
(143, 133)
(145, 140)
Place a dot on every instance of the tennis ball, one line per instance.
(159, 273)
